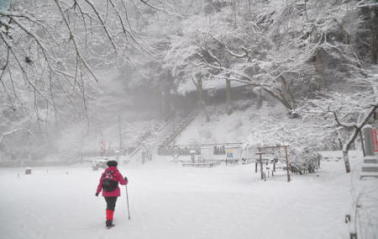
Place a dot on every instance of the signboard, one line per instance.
(221, 152)
(233, 152)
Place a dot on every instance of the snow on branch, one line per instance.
(24, 73)
(72, 37)
(146, 2)
(102, 23)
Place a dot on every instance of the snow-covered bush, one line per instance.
(305, 160)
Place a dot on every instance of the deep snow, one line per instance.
(170, 201)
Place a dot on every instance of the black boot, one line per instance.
(109, 223)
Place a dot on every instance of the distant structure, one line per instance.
(370, 137)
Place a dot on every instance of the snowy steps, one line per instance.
(179, 127)
(369, 167)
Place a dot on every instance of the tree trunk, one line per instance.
(362, 144)
(352, 138)
(201, 99)
(346, 160)
(228, 97)
(320, 69)
(374, 29)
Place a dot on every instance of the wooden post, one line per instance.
(226, 159)
(200, 92)
(201, 99)
(261, 167)
(261, 164)
(287, 164)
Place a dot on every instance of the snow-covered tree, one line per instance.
(347, 113)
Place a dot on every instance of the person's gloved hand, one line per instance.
(96, 194)
(127, 181)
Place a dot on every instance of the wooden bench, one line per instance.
(247, 161)
(231, 161)
(201, 164)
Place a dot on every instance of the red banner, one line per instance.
(374, 134)
(102, 146)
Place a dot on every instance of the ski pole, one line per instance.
(127, 198)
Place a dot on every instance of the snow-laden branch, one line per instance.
(72, 37)
(128, 33)
(8, 133)
(366, 3)
(232, 53)
(338, 122)
(145, 2)
(344, 109)
(19, 15)
(24, 73)
(37, 40)
(102, 23)
(3, 69)
(271, 89)
(356, 132)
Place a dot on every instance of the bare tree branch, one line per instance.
(72, 37)
(102, 23)
(25, 75)
(160, 9)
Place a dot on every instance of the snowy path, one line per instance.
(170, 201)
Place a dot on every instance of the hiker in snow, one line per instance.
(110, 190)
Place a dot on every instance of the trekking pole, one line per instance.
(127, 198)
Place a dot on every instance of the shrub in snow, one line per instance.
(306, 160)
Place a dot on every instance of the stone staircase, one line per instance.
(177, 127)
(148, 140)
(163, 137)
(369, 167)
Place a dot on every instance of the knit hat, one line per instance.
(112, 163)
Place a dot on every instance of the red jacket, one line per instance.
(118, 177)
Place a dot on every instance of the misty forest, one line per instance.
(258, 118)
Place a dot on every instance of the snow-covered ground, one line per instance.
(170, 201)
